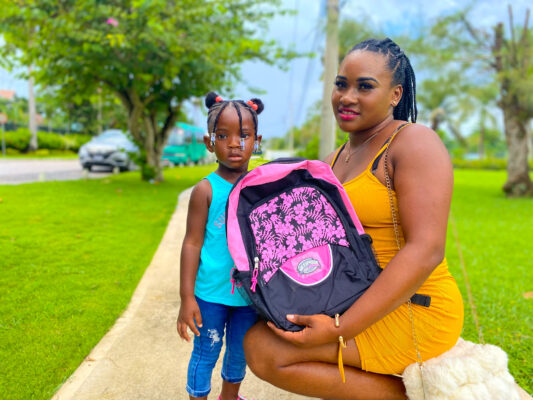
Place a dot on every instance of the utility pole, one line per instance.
(291, 79)
(99, 116)
(32, 113)
(331, 55)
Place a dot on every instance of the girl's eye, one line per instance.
(340, 84)
(365, 86)
(221, 136)
(245, 135)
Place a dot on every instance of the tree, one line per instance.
(512, 60)
(485, 59)
(100, 111)
(152, 54)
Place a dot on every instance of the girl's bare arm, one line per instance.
(190, 257)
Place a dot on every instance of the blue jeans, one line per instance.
(216, 318)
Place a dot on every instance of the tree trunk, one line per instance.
(516, 113)
(516, 135)
(34, 144)
(331, 57)
(152, 169)
(151, 139)
(481, 145)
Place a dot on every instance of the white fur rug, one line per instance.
(468, 371)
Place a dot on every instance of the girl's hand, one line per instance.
(189, 312)
(319, 329)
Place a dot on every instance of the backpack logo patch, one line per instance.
(310, 267)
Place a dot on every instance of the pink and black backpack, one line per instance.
(297, 243)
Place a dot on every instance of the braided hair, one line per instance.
(402, 74)
(216, 105)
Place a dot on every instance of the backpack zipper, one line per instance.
(255, 273)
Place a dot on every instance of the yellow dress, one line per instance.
(387, 346)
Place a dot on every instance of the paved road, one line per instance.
(16, 171)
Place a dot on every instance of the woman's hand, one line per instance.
(189, 312)
(319, 329)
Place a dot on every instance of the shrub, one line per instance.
(18, 140)
(485, 163)
(51, 141)
(74, 142)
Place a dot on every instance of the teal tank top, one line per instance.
(213, 281)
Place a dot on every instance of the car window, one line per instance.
(175, 139)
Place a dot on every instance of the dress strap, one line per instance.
(375, 162)
(337, 154)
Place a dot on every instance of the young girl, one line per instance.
(208, 306)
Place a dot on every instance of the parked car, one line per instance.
(112, 148)
(185, 145)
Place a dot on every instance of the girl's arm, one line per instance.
(423, 180)
(190, 258)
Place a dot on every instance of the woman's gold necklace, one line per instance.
(349, 155)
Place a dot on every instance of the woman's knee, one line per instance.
(257, 350)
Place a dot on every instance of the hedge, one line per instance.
(20, 140)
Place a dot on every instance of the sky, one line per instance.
(290, 93)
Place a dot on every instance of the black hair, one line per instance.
(402, 74)
(216, 105)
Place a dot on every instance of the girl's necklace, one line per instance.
(350, 154)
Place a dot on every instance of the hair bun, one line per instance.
(259, 104)
(210, 99)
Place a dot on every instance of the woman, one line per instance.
(374, 96)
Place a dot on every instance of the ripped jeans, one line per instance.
(216, 318)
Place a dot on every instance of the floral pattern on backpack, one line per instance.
(291, 223)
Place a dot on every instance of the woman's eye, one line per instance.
(340, 84)
(365, 86)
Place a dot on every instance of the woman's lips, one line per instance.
(347, 114)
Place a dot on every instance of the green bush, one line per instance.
(486, 163)
(75, 141)
(51, 141)
(18, 140)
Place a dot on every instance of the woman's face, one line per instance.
(363, 96)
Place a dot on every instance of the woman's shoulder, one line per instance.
(417, 136)
(418, 143)
(331, 156)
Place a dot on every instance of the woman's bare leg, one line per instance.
(313, 371)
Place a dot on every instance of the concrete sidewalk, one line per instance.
(142, 356)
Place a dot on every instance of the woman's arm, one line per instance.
(190, 258)
(423, 179)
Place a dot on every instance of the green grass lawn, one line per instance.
(71, 255)
(496, 238)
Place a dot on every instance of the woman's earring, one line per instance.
(213, 139)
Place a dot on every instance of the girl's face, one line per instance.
(227, 146)
(363, 95)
